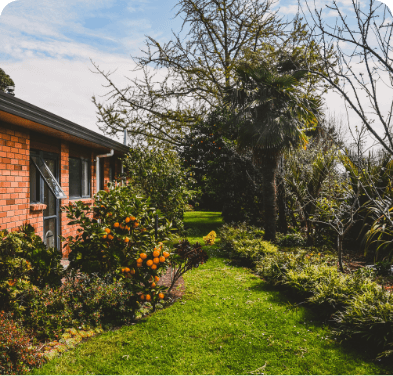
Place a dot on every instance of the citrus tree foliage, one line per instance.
(158, 173)
(229, 181)
(5, 80)
(116, 236)
(198, 64)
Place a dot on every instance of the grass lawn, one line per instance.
(228, 322)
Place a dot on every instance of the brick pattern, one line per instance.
(14, 180)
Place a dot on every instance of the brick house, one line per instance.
(45, 162)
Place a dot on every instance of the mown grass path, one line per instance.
(228, 322)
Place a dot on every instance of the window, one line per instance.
(79, 177)
(40, 172)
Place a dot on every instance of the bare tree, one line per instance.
(178, 82)
(363, 76)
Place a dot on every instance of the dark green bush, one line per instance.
(290, 240)
(369, 316)
(16, 354)
(25, 261)
(86, 301)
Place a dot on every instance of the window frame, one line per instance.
(82, 183)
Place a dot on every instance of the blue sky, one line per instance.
(46, 47)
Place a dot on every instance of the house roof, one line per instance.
(18, 112)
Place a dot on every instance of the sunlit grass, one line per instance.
(228, 322)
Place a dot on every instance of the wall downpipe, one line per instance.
(110, 154)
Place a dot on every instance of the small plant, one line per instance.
(184, 258)
(210, 238)
(383, 268)
(17, 356)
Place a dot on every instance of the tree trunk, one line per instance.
(340, 251)
(269, 167)
(282, 218)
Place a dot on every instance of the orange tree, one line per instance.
(116, 238)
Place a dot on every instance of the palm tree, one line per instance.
(274, 112)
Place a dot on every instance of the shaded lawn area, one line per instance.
(228, 322)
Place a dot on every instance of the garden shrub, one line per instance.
(17, 356)
(229, 233)
(159, 174)
(210, 238)
(88, 301)
(25, 261)
(369, 315)
(251, 250)
(361, 308)
(290, 240)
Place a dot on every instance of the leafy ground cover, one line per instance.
(228, 322)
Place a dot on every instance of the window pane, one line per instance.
(34, 184)
(85, 179)
(75, 178)
(48, 177)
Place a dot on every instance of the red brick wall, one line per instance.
(14, 180)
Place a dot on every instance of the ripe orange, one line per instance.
(142, 297)
(162, 259)
(143, 256)
(122, 227)
(132, 271)
(127, 219)
(116, 224)
(109, 214)
(110, 237)
(156, 253)
(166, 254)
(156, 260)
(153, 285)
(149, 262)
(128, 228)
(136, 224)
(132, 218)
(138, 265)
(127, 270)
(154, 267)
(156, 278)
(161, 295)
(102, 206)
(104, 236)
(122, 270)
(148, 297)
(126, 239)
(139, 261)
(108, 230)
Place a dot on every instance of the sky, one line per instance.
(46, 46)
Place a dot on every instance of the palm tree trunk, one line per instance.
(281, 201)
(269, 167)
